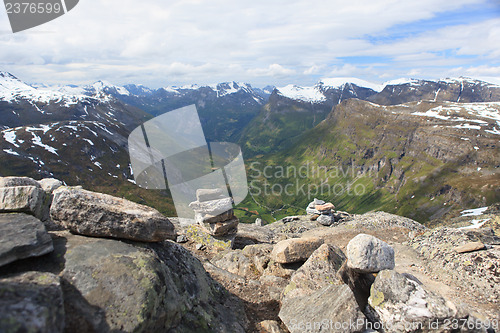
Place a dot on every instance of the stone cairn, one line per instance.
(325, 213)
(214, 213)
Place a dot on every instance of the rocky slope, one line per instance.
(420, 159)
(365, 273)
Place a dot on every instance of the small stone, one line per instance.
(315, 217)
(470, 247)
(181, 239)
(326, 220)
(201, 218)
(325, 207)
(50, 184)
(212, 207)
(368, 254)
(270, 326)
(229, 227)
(258, 222)
(290, 219)
(200, 247)
(295, 249)
(209, 194)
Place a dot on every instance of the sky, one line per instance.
(273, 42)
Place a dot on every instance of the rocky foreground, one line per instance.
(72, 260)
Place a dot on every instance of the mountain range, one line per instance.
(420, 148)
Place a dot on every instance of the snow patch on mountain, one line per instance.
(306, 94)
(341, 81)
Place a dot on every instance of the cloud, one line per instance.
(162, 43)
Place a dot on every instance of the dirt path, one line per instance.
(409, 261)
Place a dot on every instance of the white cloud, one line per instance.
(264, 42)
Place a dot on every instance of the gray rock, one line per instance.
(330, 309)
(101, 215)
(31, 302)
(225, 228)
(50, 184)
(403, 305)
(290, 219)
(258, 222)
(368, 254)
(22, 236)
(209, 194)
(201, 218)
(25, 199)
(274, 285)
(260, 255)
(295, 249)
(198, 234)
(326, 220)
(181, 239)
(18, 181)
(155, 287)
(320, 270)
(212, 207)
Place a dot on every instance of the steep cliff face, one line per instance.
(420, 159)
(462, 90)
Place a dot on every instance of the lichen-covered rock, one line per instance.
(158, 287)
(295, 249)
(404, 305)
(330, 309)
(199, 235)
(317, 272)
(22, 236)
(101, 215)
(368, 254)
(31, 302)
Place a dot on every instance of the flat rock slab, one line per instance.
(101, 215)
(22, 236)
(295, 249)
(18, 181)
(31, 302)
(368, 254)
(470, 247)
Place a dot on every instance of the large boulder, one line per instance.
(318, 271)
(158, 287)
(404, 305)
(31, 302)
(101, 215)
(21, 198)
(18, 181)
(295, 249)
(368, 254)
(22, 236)
(332, 308)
